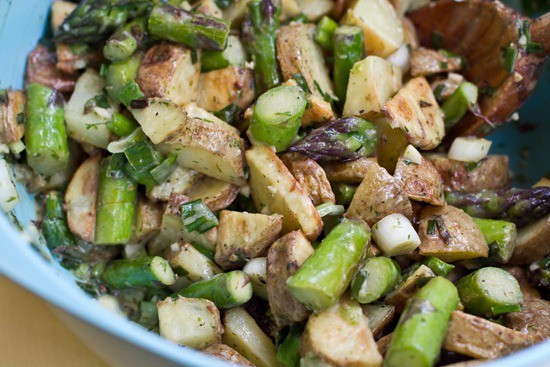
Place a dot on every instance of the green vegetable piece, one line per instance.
(325, 31)
(197, 217)
(125, 41)
(458, 103)
(501, 237)
(288, 350)
(54, 225)
(439, 267)
(348, 49)
(152, 271)
(374, 279)
(122, 126)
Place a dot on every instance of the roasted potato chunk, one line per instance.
(479, 338)
(380, 316)
(12, 106)
(41, 69)
(220, 88)
(352, 172)
(425, 62)
(275, 190)
(209, 148)
(408, 288)
(415, 111)
(450, 234)
(488, 174)
(284, 258)
(377, 196)
(244, 236)
(228, 354)
(179, 182)
(340, 336)
(70, 62)
(59, 11)
(169, 71)
(421, 181)
(216, 194)
(310, 176)
(318, 111)
(148, 219)
(532, 242)
(533, 319)
(160, 119)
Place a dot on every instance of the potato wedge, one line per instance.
(532, 242)
(380, 316)
(348, 172)
(41, 69)
(488, 174)
(244, 335)
(415, 111)
(71, 62)
(193, 322)
(425, 62)
(220, 88)
(191, 266)
(372, 81)
(80, 199)
(390, 144)
(533, 319)
(318, 111)
(284, 258)
(377, 196)
(228, 354)
(244, 236)
(381, 25)
(12, 106)
(148, 219)
(59, 11)
(169, 71)
(179, 182)
(383, 344)
(450, 234)
(274, 190)
(208, 148)
(479, 338)
(159, 119)
(409, 287)
(421, 181)
(404, 6)
(195, 111)
(216, 194)
(298, 53)
(340, 336)
(88, 125)
(310, 176)
(315, 9)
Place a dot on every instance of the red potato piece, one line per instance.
(41, 68)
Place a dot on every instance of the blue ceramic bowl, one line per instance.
(123, 343)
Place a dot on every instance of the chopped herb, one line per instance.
(437, 39)
(302, 83)
(326, 96)
(438, 90)
(471, 166)
(509, 55)
(20, 118)
(443, 65)
(194, 56)
(432, 225)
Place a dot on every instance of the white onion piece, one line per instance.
(401, 58)
(256, 271)
(411, 154)
(469, 149)
(395, 235)
(9, 197)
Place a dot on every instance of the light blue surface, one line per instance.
(21, 24)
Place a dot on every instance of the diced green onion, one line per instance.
(510, 54)
(439, 267)
(300, 18)
(197, 216)
(302, 83)
(229, 113)
(161, 172)
(120, 145)
(129, 93)
(121, 125)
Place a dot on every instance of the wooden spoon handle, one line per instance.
(540, 31)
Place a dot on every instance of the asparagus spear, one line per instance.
(489, 292)
(419, 335)
(259, 34)
(195, 30)
(348, 49)
(93, 20)
(125, 41)
(343, 140)
(520, 206)
(343, 192)
(288, 350)
(226, 290)
(116, 202)
(324, 277)
(233, 55)
(122, 125)
(54, 226)
(376, 277)
(151, 271)
(540, 275)
(277, 116)
(501, 237)
(439, 267)
(456, 106)
(325, 32)
(119, 74)
(45, 133)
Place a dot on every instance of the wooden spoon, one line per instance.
(479, 30)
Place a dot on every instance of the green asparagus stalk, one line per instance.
(54, 226)
(125, 41)
(119, 74)
(116, 203)
(375, 278)
(439, 267)
(419, 335)
(129, 93)
(501, 237)
(325, 32)
(148, 317)
(223, 4)
(540, 275)
(458, 103)
(520, 206)
(45, 134)
(226, 290)
(277, 116)
(94, 20)
(343, 140)
(232, 55)
(348, 49)
(288, 350)
(324, 277)
(122, 125)
(343, 192)
(489, 292)
(195, 30)
(259, 34)
(152, 271)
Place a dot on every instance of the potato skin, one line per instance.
(284, 258)
(491, 173)
(461, 238)
(41, 69)
(11, 105)
(348, 172)
(228, 354)
(421, 181)
(534, 319)
(425, 62)
(310, 176)
(220, 88)
(377, 196)
(532, 242)
(216, 194)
